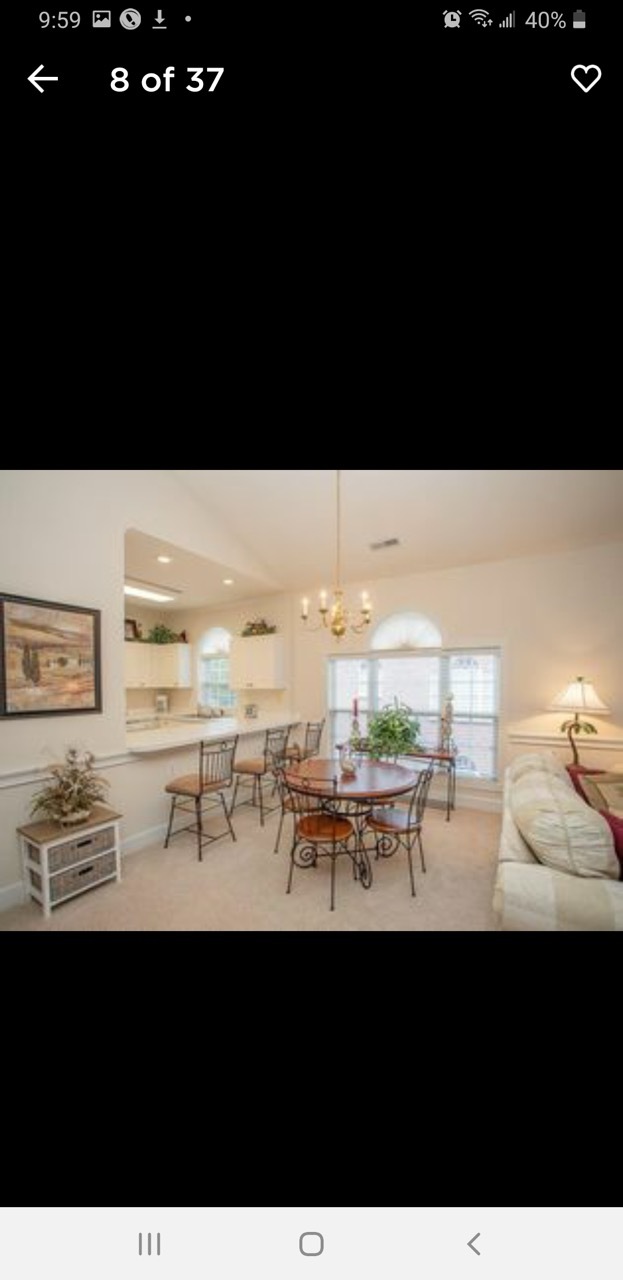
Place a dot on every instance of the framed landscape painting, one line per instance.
(50, 658)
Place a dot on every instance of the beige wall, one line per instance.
(554, 617)
(62, 538)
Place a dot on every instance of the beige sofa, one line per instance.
(530, 895)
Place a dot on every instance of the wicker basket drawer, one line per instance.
(76, 850)
(82, 877)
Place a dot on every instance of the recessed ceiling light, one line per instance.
(165, 560)
(228, 582)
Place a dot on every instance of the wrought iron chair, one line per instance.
(399, 828)
(202, 792)
(256, 771)
(318, 833)
(313, 804)
(313, 737)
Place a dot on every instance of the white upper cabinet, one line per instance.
(158, 666)
(173, 667)
(257, 662)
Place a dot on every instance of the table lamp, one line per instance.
(578, 697)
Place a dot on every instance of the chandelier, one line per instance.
(336, 617)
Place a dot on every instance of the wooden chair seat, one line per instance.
(393, 821)
(322, 828)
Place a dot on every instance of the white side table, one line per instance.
(61, 862)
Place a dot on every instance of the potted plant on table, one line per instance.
(74, 790)
(392, 732)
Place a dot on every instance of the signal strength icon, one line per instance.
(510, 21)
(481, 16)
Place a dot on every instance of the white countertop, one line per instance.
(172, 734)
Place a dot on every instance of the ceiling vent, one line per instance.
(386, 545)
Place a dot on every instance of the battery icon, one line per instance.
(579, 18)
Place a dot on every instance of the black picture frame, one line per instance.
(50, 658)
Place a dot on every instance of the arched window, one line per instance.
(214, 670)
(406, 631)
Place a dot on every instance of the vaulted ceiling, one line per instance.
(443, 519)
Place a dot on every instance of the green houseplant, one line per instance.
(74, 790)
(161, 634)
(393, 732)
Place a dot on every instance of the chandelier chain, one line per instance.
(336, 617)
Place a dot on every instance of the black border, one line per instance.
(96, 615)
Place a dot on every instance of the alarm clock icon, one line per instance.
(130, 19)
(453, 18)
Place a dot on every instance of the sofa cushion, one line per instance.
(562, 831)
(615, 822)
(537, 762)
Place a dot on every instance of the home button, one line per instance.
(311, 1244)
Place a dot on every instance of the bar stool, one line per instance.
(256, 770)
(203, 791)
(313, 737)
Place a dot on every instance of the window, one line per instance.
(423, 681)
(214, 670)
(406, 631)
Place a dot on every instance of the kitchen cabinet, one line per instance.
(158, 666)
(257, 662)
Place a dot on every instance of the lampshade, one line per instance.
(578, 697)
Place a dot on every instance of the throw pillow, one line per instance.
(576, 773)
(604, 791)
(616, 826)
(562, 830)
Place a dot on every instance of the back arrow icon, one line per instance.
(471, 1244)
(35, 78)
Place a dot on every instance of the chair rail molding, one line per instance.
(559, 740)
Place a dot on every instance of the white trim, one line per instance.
(561, 740)
(28, 777)
(14, 895)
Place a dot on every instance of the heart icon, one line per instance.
(595, 79)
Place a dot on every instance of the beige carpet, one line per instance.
(242, 887)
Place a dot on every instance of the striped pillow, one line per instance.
(562, 831)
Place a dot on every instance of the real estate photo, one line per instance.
(381, 701)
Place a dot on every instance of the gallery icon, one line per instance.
(102, 18)
(130, 19)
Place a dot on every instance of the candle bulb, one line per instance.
(323, 600)
(305, 614)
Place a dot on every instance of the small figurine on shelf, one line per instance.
(446, 742)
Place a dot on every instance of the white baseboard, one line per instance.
(134, 844)
(14, 895)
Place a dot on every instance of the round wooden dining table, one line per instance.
(374, 782)
(353, 794)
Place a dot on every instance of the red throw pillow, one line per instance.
(616, 826)
(575, 772)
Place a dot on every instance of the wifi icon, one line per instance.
(481, 16)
